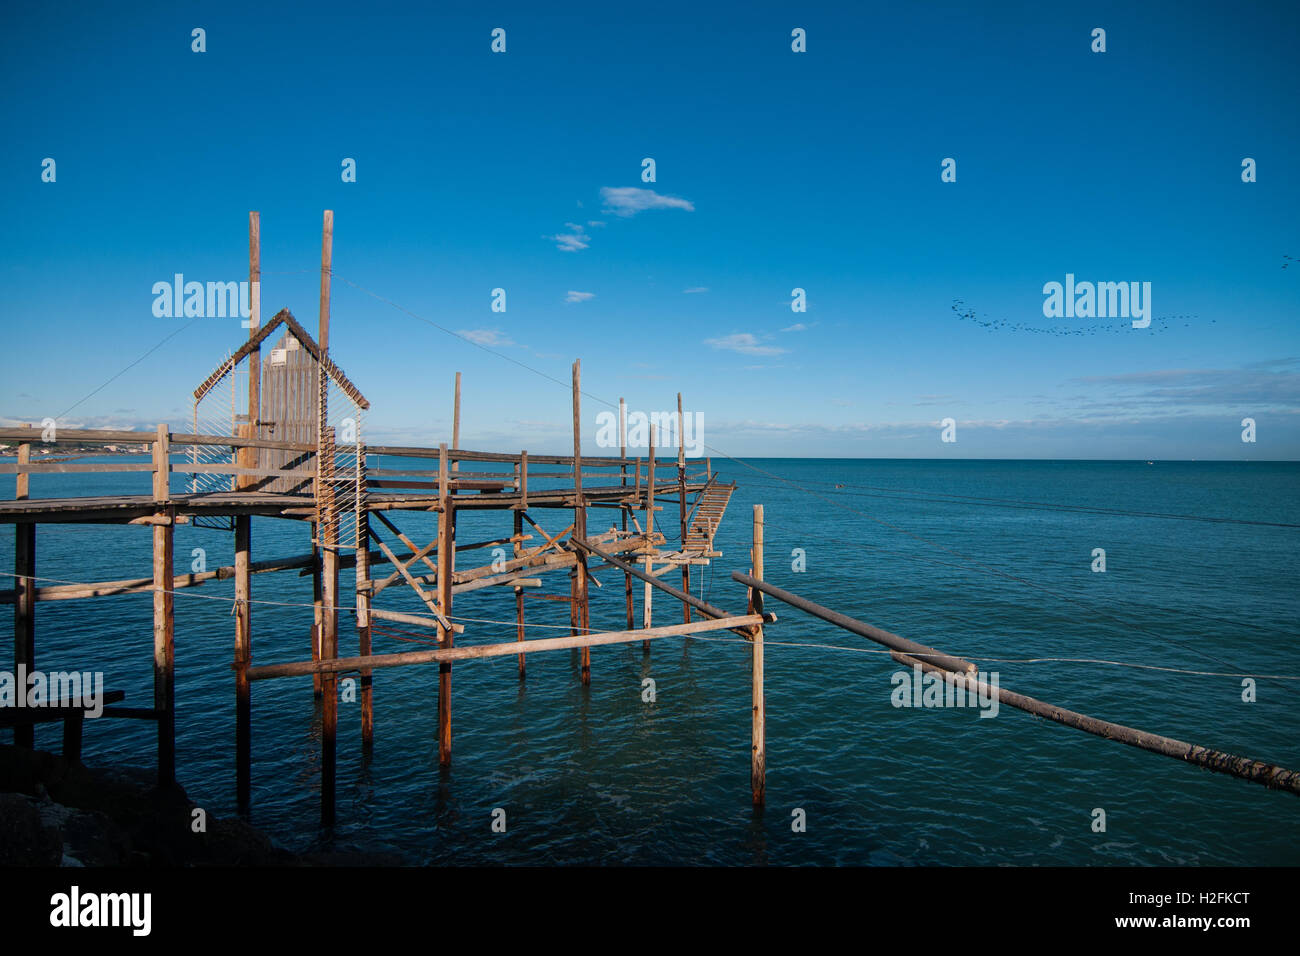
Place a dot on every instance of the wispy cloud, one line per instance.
(629, 200)
(797, 327)
(695, 290)
(579, 296)
(1200, 387)
(743, 342)
(573, 240)
(485, 336)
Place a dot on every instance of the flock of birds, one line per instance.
(1158, 324)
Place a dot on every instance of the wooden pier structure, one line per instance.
(290, 446)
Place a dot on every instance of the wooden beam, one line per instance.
(381, 614)
(504, 649)
(650, 579)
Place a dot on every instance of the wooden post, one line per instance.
(318, 609)
(646, 615)
(328, 534)
(758, 728)
(519, 591)
(21, 484)
(582, 610)
(622, 453)
(164, 623)
(446, 636)
(326, 264)
(329, 643)
(254, 320)
(681, 506)
(24, 599)
(523, 480)
(363, 621)
(455, 424)
(243, 657)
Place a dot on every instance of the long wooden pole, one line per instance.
(446, 568)
(243, 658)
(647, 614)
(329, 649)
(363, 591)
(622, 453)
(681, 505)
(581, 607)
(326, 265)
(963, 674)
(519, 591)
(892, 641)
(317, 603)
(254, 320)
(1245, 768)
(758, 723)
(24, 598)
(455, 423)
(164, 624)
(328, 528)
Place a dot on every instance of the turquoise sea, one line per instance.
(987, 559)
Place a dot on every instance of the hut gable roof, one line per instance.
(285, 317)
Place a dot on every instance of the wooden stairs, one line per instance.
(709, 509)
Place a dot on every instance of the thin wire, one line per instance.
(129, 367)
(1003, 660)
(465, 338)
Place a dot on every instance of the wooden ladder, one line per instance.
(709, 509)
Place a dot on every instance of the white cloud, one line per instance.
(695, 289)
(485, 336)
(573, 240)
(630, 200)
(797, 327)
(579, 296)
(743, 342)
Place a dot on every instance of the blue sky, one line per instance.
(775, 170)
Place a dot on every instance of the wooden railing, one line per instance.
(628, 470)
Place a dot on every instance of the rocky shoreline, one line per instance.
(56, 813)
